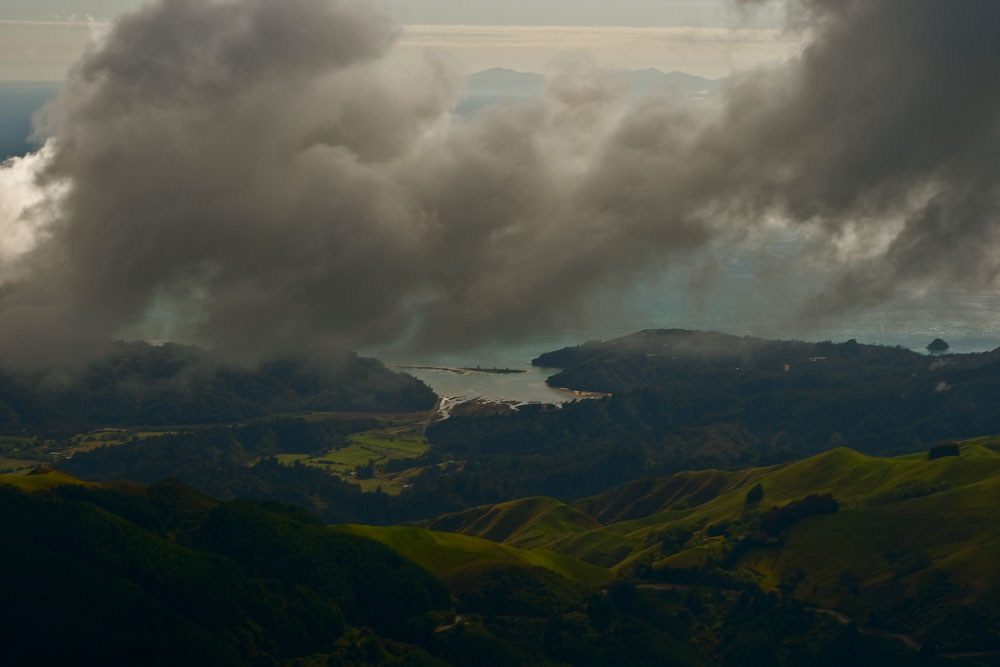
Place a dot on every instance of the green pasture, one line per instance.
(947, 508)
(14, 464)
(400, 441)
(453, 557)
(41, 482)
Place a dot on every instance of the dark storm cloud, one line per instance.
(890, 120)
(261, 175)
(882, 135)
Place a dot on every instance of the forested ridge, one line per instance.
(141, 384)
(808, 396)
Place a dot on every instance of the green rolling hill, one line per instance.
(461, 559)
(523, 522)
(907, 543)
(907, 550)
(42, 479)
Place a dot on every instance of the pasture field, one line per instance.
(456, 558)
(16, 465)
(397, 436)
(41, 482)
(109, 437)
(27, 452)
(23, 452)
(397, 439)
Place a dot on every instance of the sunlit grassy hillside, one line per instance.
(458, 559)
(906, 527)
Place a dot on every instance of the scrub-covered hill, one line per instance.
(162, 575)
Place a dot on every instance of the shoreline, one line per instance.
(583, 394)
(512, 387)
(460, 371)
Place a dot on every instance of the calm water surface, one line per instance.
(521, 387)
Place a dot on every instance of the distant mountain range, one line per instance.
(650, 80)
(500, 81)
(499, 84)
(19, 100)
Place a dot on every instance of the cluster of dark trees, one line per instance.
(778, 519)
(142, 384)
(582, 449)
(944, 449)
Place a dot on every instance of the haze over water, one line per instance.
(877, 327)
(967, 321)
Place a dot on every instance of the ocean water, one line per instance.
(524, 387)
(19, 100)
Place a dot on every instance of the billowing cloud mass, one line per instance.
(264, 175)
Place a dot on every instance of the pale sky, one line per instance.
(39, 39)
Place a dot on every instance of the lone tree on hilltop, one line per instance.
(937, 346)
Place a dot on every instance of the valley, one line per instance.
(715, 488)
